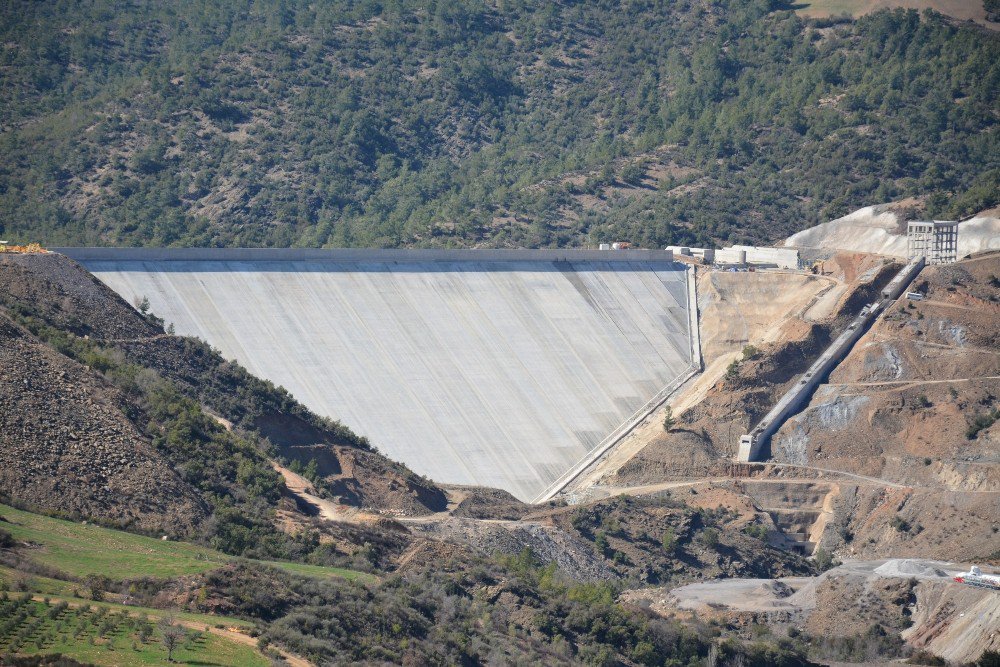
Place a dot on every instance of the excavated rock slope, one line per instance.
(915, 599)
(708, 431)
(876, 522)
(901, 404)
(67, 446)
(898, 409)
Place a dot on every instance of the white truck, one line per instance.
(975, 577)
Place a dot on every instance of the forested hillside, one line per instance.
(414, 122)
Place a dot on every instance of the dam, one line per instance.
(475, 367)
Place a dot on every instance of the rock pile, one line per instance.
(67, 446)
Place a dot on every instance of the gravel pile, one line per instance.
(909, 567)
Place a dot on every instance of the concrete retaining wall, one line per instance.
(783, 258)
(752, 444)
(359, 255)
(651, 406)
(489, 373)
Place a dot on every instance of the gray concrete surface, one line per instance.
(502, 373)
(363, 254)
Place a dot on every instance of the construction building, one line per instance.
(936, 241)
(741, 255)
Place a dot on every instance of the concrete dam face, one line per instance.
(487, 368)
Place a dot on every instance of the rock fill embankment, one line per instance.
(67, 447)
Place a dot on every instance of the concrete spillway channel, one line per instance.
(752, 444)
(498, 368)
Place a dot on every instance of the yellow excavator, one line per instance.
(6, 247)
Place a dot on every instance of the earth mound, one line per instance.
(881, 229)
(907, 567)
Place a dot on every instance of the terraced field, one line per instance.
(100, 634)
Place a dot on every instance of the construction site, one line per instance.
(842, 410)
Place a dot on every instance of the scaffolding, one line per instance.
(937, 241)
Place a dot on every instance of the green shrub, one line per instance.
(981, 422)
(668, 419)
(824, 560)
(633, 173)
(709, 537)
(6, 539)
(669, 540)
(900, 524)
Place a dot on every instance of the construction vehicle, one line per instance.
(975, 577)
(6, 247)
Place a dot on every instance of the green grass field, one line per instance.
(103, 635)
(78, 549)
(58, 620)
(960, 9)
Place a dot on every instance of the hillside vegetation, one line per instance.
(79, 550)
(107, 419)
(100, 605)
(460, 123)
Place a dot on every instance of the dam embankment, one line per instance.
(490, 367)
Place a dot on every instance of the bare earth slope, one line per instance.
(736, 391)
(900, 405)
(882, 229)
(963, 10)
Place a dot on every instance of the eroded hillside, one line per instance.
(759, 330)
(67, 445)
(895, 456)
(915, 400)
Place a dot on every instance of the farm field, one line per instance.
(81, 549)
(57, 590)
(100, 634)
(959, 9)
